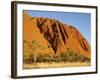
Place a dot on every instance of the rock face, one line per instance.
(55, 36)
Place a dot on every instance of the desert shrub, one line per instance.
(55, 59)
(71, 56)
(25, 59)
(42, 58)
(31, 59)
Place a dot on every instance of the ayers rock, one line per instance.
(55, 36)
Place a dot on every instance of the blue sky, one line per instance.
(80, 20)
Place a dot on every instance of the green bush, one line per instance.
(71, 56)
(64, 57)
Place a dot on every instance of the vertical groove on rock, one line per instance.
(62, 33)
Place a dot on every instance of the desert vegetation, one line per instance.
(64, 57)
(32, 56)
